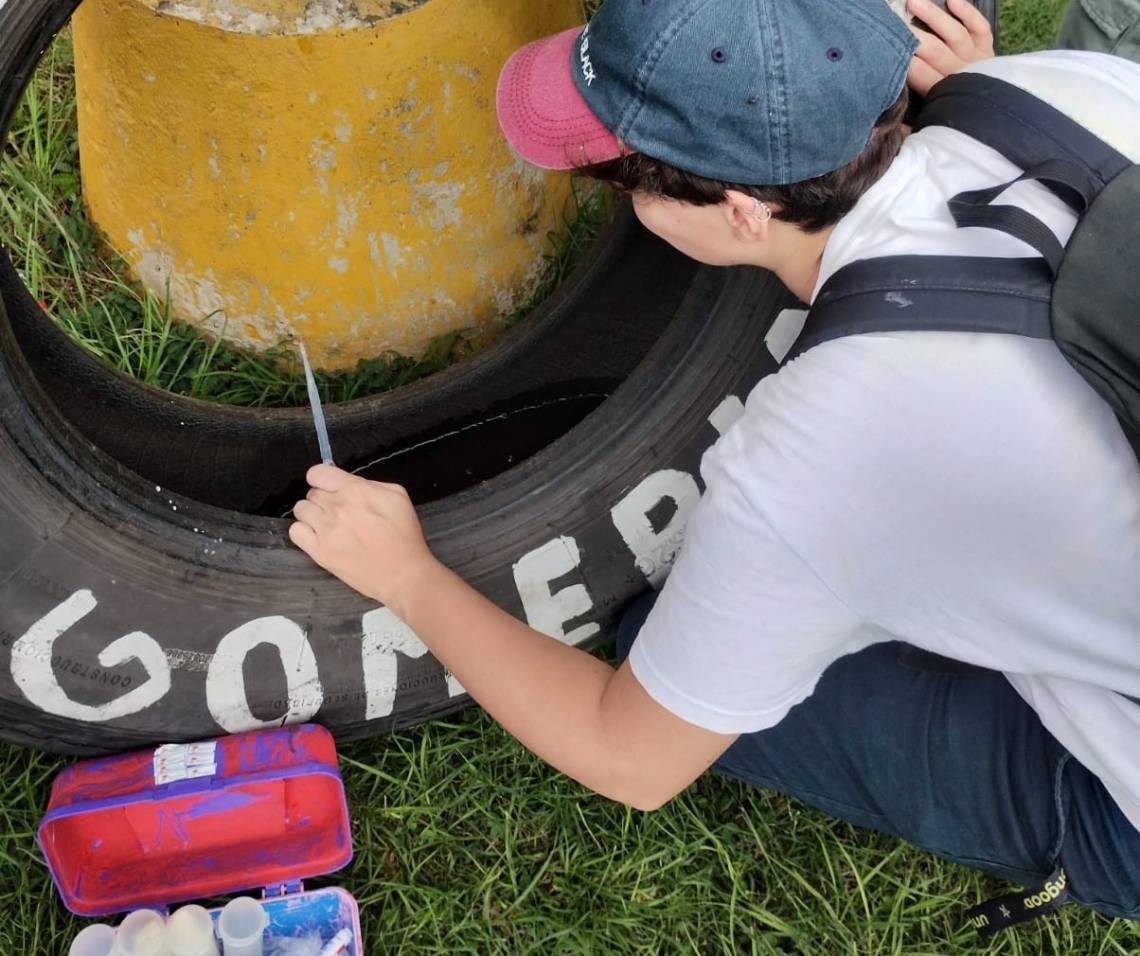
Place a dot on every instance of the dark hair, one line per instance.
(812, 205)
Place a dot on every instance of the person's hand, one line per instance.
(365, 532)
(955, 39)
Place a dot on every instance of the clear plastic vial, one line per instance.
(142, 933)
(242, 927)
(97, 940)
(190, 932)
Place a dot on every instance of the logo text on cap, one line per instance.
(588, 73)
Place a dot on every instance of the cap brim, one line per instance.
(541, 112)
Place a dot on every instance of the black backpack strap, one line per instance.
(975, 209)
(1025, 130)
(931, 294)
(1052, 149)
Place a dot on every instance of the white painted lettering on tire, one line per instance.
(655, 550)
(226, 695)
(784, 331)
(547, 610)
(726, 414)
(385, 636)
(33, 673)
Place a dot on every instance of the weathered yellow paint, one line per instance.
(348, 182)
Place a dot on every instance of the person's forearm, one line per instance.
(593, 723)
(547, 694)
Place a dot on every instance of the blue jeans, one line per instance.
(948, 757)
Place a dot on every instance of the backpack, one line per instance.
(1085, 296)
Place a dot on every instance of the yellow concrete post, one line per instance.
(319, 165)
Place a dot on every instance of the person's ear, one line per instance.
(748, 217)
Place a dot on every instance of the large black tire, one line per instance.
(141, 601)
(135, 608)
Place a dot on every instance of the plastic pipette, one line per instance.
(315, 405)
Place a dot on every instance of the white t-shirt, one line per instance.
(965, 493)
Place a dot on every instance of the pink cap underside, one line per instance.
(541, 112)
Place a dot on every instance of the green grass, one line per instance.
(466, 843)
(87, 290)
(1029, 24)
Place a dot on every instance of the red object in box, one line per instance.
(183, 822)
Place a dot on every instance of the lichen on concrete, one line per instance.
(284, 17)
(352, 182)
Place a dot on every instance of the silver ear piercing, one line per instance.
(761, 211)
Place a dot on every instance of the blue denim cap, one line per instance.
(758, 92)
